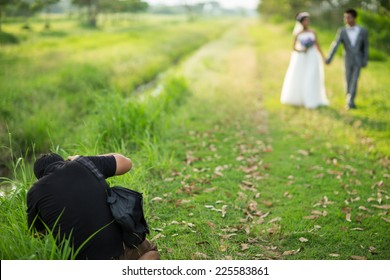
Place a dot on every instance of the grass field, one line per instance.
(227, 171)
(55, 78)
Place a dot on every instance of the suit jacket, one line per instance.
(354, 56)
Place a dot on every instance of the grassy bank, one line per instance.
(139, 125)
(76, 105)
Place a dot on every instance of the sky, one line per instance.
(250, 4)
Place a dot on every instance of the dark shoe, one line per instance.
(350, 106)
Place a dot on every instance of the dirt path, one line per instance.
(214, 207)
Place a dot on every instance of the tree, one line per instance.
(92, 10)
(3, 5)
(384, 6)
(46, 4)
(95, 6)
(288, 7)
(26, 8)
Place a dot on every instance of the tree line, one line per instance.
(27, 8)
(289, 8)
(373, 14)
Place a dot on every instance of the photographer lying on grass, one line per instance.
(71, 202)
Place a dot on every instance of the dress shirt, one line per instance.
(353, 32)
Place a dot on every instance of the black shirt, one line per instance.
(72, 202)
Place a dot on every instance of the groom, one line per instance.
(355, 41)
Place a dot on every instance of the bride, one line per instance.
(304, 81)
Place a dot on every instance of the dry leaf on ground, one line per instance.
(372, 250)
(386, 206)
(160, 235)
(157, 199)
(267, 203)
(222, 248)
(303, 152)
(224, 211)
(334, 255)
(212, 225)
(386, 220)
(311, 217)
(319, 213)
(358, 258)
(357, 229)
(210, 190)
(291, 252)
(302, 239)
(275, 220)
(199, 255)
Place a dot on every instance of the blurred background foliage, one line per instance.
(328, 14)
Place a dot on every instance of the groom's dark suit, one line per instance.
(355, 57)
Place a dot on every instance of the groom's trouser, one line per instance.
(352, 73)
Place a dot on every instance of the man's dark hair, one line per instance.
(352, 12)
(43, 162)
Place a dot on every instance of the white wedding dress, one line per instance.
(304, 81)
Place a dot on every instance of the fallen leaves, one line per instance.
(222, 210)
(315, 214)
(303, 152)
(324, 202)
(358, 258)
(248, 186)
(288, 195)
(157, 199)
(303, 240)
(372, 250)
(267, 203)
(386, 207)
(159, 235)
(247, 213)
(190, 159)
(199, 255)
(222, 248)
(363, 208)
(291, 252)
(211, 225)
(311, 217)
(386, 220)
(209, 190)
(320, 213)
(277, 219)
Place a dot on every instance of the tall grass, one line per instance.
(135, 124)
(74, 94)
(50, 84)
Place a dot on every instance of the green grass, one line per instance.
(227, 172)
(75, 93)
(139, 124)
(49, 82)
(253, 179)
(330, 152)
